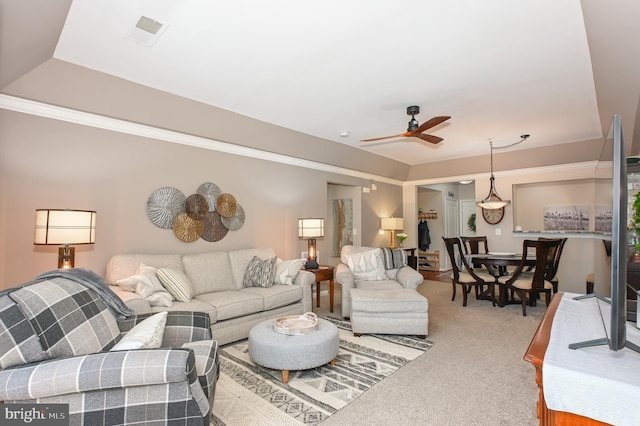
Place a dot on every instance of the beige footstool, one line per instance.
(394, 311)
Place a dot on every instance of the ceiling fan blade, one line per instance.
(431, 123)
(429, 138)
(387, 137)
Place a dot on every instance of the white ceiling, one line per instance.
(499, 68)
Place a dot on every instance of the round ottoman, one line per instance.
(283, 352)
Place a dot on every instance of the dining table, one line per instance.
(497, 264)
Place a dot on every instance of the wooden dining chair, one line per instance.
(472, 245)
(533, 283)
(479, 245)
(551, 274)
(464, 275)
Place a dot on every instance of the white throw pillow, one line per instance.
(287, 271)
(367, 265)
(147, 334)
(177, 283)
(151, 272)
(147, 285)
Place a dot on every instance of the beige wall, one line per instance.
(48, 163)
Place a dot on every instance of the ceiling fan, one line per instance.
(415, 130)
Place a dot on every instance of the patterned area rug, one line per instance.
(247, 394)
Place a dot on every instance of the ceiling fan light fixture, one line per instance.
(413, 124)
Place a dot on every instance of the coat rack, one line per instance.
(430, 215)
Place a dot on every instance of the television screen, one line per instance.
(611, 202)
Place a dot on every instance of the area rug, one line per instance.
(247, 394)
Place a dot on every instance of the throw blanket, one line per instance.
(394, 259)
(92, 281)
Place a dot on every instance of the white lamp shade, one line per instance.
(310, 227)
(392, 223)
(55, 227)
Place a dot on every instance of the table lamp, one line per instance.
(309, 229)
(392, 224)
(65, 227)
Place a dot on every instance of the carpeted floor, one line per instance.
(247, 394)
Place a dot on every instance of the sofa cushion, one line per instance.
(69, 318)
(240, 260)
(278, 295)
(260, 272)
(146, 334)
(378, 285)
(209, 272)
(367, 265)
(176, 282)
(287, 271)
(234, 303)
(19, 343)
(193, 305)
(125, 265)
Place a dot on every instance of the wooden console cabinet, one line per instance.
(535, 355)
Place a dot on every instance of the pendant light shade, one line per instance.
(493, 200)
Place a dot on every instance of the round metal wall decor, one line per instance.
(226, 205)
(211, 192)
(187, 229)
(214, 229)
(208, 214)
(236, 221)
(163, 205)
(196, 206)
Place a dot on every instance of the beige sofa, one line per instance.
(217, 289)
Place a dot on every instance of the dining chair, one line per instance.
(477, 245)
(533, 283)
(472, 245)
(591, 276)
(551, 274)
(464, 275)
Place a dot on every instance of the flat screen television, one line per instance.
(612, 200)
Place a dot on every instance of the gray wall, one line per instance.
(48, 163)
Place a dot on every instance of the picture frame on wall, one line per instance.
(566, 218)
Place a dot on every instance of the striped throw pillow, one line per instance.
(177, 283)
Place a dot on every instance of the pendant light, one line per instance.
(493, 200)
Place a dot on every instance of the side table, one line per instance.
(323, 273)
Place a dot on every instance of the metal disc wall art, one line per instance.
(226, 205)
(214, 229)
(236, 221)
(163, 205)
(209, 214)
(196, 206)
(211, 192)
(186, 228)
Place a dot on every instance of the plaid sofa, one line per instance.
(55, 336)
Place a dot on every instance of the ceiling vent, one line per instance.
(146, 31)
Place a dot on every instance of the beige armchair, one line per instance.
(364, 267)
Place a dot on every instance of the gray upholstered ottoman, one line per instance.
(393, 311)
(283, 352)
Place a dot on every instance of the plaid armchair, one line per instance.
(55, 337)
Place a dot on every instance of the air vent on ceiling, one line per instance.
(146, 31)
(149, 25)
